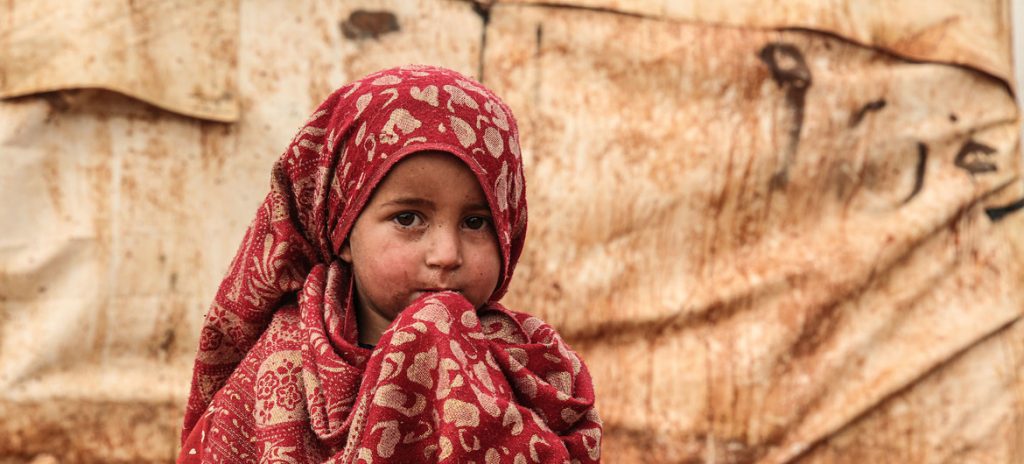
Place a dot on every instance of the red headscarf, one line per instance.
(280, 377)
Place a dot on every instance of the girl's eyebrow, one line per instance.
(409, 201)
(425, 203)
(479, 206)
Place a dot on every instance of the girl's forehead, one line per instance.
(432, 176)
(424, 160)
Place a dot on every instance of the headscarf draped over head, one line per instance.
(279, 375)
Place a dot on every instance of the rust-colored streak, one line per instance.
(51, 176)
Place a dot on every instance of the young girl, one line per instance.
(359, 321)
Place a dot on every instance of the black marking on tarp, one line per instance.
(922, 164)
(972, 155)
(864, 110)
(790, 72)
(999, 212)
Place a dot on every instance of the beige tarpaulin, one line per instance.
(773, 231)
(776, 233)
(966, 32)
(177, 55)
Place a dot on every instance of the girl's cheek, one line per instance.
(393, 253)
(394, 263)
(394, 273)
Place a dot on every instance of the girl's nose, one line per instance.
(444, 248)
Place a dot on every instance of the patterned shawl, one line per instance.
(280, 376)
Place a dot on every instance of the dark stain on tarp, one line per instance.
(483, 10)
(922, 163)
(789, 71)
(999, 212)
(58, 100)
(52, 428)
(167, 340)
(864, 110)
(972, 157)
(538, 40)
(102, 104)
(363, 24)
(538, 51)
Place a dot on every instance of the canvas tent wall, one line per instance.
(776, 233)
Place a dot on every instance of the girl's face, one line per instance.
(427, 228)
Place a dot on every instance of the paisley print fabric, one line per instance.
(279, 375)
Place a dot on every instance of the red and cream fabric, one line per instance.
(280, 377)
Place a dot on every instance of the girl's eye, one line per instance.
(405, 219)
(476, 222)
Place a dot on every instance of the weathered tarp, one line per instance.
(767, 239)
(972, 33)
(773, 231)
(176, 55)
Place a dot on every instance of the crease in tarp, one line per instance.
(213, 116)
(952, 354)
(888, 50)
(800, 449)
